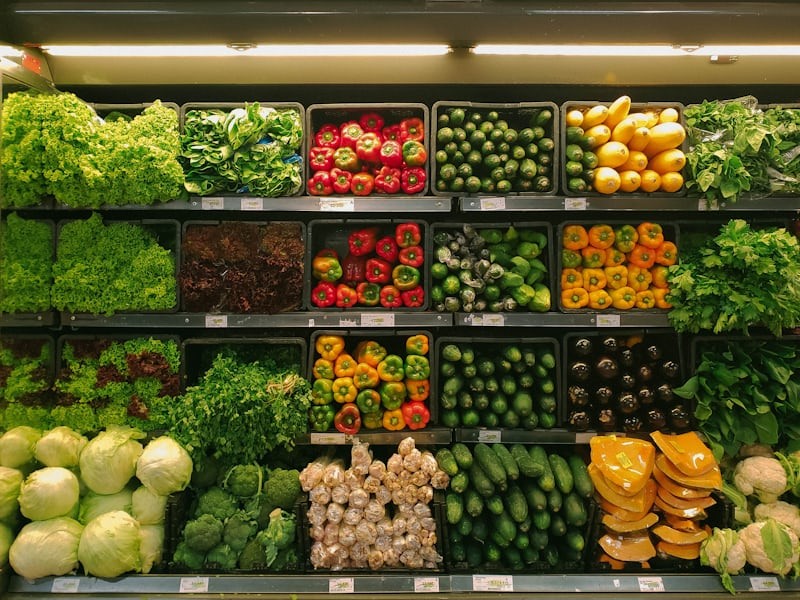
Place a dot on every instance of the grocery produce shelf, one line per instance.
(39, 319)
(554, 319)
(623, 203)
(427, 436)
(522, 436)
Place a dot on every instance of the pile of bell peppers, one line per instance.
(366, 386)
(382, 268)
(622, 267)
(368, 156)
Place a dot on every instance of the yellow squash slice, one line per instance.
(683, 551)
(686, 451)
(677, 489)
(684, 513)
(626, 462)
(620, 513)
(619, 526)
(679, 538)
(685, 503)
(639, 503)
(710, 481)
(628, 548)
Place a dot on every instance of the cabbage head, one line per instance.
(17, 445)
(148, 508)
(44, 548)
(49, 493)
(151, 546)
(164, 467)
(6, 539)
(60, 447)
(110, 545)
(93, 505)
(10, 482)
(109, 460)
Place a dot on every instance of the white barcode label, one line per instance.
(337, 204)
(426, 585)
(341, 585)
(194, 585)
(492, 583)
(65, 585)
(493, 203)
(345, 322)
(377, 319)
(608, 320)
(574, 203)
(491, 436)
(252, 204)
(765, 584)
(216, 321)
(328, 439)
(651, 584)
(494, 320)
(212, 203)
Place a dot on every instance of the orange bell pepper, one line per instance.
(639, 279)
(614, 258)
(659, 274)
(667, 254)
(623, 298)
(575, 237)
(651, 235)
(329, 346)
(599, 300)
(345, 365)
(323, 369)
(574, 298)
(593, 257)
(370, 352)
(642, 257)
(571, 278)
(393, 420)
(418, 390)
(645, 299)
(344, 390)
(365, 376)
(616, 277)
(660, 294)
(594, 279)
(601, 236)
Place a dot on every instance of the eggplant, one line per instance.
(631, 424)
(607, 420)
(646, 396)
(679, 418)
(578, 395)
(610, 344)
(606, 368)
(582, 347)
(644, 374)
(656, 419)
(603, 395)
(580, 371)
(580, 420)
(627, 381)
(627, 403)
(670, 369)
(665, 394)
(653, 352)
(626, 357)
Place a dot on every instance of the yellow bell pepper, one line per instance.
(639, 279)
(571, 278)
(624, 298)
(329, 346)
(323, 369)
(344, 390)
(660, 294)
(599, 300)
(617, 277)
(574, 298)
(645, 299)
(594, 279)
(344, 365)
(393, 420)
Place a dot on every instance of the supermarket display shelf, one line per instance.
(426, 436)
(572, 319)
(623, 203)
(39, 319)
(523, 436)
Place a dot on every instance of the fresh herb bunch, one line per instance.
(741, 278)
(101, 269)
(26, 263)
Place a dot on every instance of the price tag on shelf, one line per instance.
(377, 319)
(194, 585)
(341, 585)
(492, 583)
(608, 320)
(345, 322)
(337, 204)
(424, 585)
(584, 438)
(493, 203)
(704, 204)
(490, 436)
(216, 321)
(311, 322)
(651, 584)
(212, 203)
(493, 320)
(328, 439)
(764, 584)
(574, 203)
(65, 585)
(252, 204)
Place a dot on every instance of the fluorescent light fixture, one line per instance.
(732, 50)
(10, 52)
(635, 50)
(274, 50)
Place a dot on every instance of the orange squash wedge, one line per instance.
(710, 481)
(619, 526)
(616, 565)
(628, 548)
(639, 503)
(686, 451)
(684, 513)
(685, 503)
(675, 488)
(681, 524)
(620, 513)
(683, 551)
(626, 462)
(679, 538)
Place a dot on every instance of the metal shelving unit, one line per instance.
(630, 202)
(654, 318)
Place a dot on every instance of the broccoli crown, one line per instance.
(252, 556)
(216, 502)
(203, 533)
(281, 490)
(238, 530)
(279, 534)
(191, 559)
(244, 481)
(222, 556)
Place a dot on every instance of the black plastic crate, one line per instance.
(666, 339)
(518, 115)
(333, 234)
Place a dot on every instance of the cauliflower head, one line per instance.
(770, 546)
(761, 476)
(724, 552)
(782, 512)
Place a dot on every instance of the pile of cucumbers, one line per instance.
(490, 384)
(494, 151)
(580, 161)
(516, 506)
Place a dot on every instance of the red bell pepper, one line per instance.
(388, 180)
(350, 131)
(390, 297)
(414, 153)
(320, 158)
(362, 241)
(354, 269)
(386, 248)
(412, 129)
(391, 132)
(348, 419)
(327, 136)
(416, 414)
(413, 298)
(345, 296)
(412, 256)
(371, 121)
(369, 294)
(413, 180)
(345, 158)
(323, 294)
(320, 184)
(362, 184)
(392, 153)
(368, 147)
(407, 235)
(341, 180)
(378, 271)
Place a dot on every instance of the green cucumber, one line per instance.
(562, 473)
(508, 462)
(580, 476)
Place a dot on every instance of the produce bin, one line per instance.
(394, 342)
(528, 117)
(483, 301)
(245, 166)
(334, 234)
(319, 115)
(242, 267)
(468, 402)
(17, 352)
(584, 399)
(570, 138)
(670, 234)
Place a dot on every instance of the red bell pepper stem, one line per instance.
(371, 121)
(392, 153)
(412, 180)
(320, 158)
(320, 184)
(362, 184)
(362, 241)
(341, 180)
(390, 297)
(350, 132)
(388, 180)
(368, 147)
(323, 294)
(407, 235)
(348, 419)
(413, 298)
(411, 256)
(386, 248)
(412, 129)
(378, 271)
(346, 296)
(327, 136)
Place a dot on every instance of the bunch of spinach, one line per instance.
(746, 392)
(740, 278)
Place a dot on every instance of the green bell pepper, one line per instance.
(523, 294)
(571, 259)
(510, 280)
(322, 392)
(520, 266)
(536, 237)
(373, 420)
(405, 277)
(393, 393)
(528, 250)
(321, 417)
(368, 401)
(417, 367)
(391, 368)
(541, 299)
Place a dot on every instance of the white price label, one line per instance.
(616, 583)
(377, 319)
(252, 204)
(574, 203)
(475, 320)
(341, 585)
(490, 436)
(426, 585)
(493, 203)
(764, 584)
(704, 204)
(311, 322)
(212, 203)
(584, 438)
(216, 321)
(492, 583)
(194, 585)
(328, 439)
(65, 585)
(345, 322)
(337, 204)
(651, 584)
(608, 320)
(494, 320)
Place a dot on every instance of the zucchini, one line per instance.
(524, 461)
(558, 528)
(568, 554)
(537, 499)
(491, 465)
(547, 359)
(454, 536)
(491, 552)
(512, 558)
(494, 505)
(462, 455)
(550, 555)
(580, 476)
(508, 462)
(480, 482)
(473, 503)
(516, 503)
(454, 508)
(522, 540)
(561, 472)
(546, 480)
(555, 500)
(575, 510)
(460, 482)
(541, 520)
(447, 461)
(499, 539)
(451, 353)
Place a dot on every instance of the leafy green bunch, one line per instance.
(26, 263)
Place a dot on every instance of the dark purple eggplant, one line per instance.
(653, 352)
(578, 395)
(626, 357)
(580, 420)
(606, 368)
(627, 403)
(679, 418)
(656, 419)
(582, 347)
(627, 381)
(631, 424)
(665, 394)
(646, 396)
(610, 344)
(607, 420)
(603, 395)
(580, 371)
(670, 369)
(644, 374)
